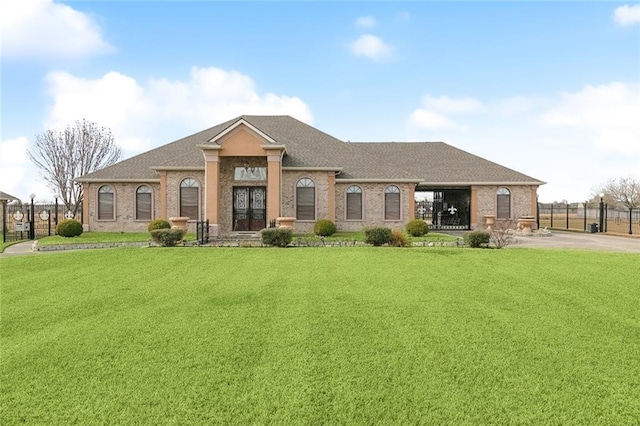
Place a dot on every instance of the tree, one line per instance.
(65, 155)
(625, 192)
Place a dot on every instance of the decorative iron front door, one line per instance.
(249, 208)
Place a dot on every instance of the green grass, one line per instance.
(320, 335)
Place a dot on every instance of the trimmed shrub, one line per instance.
(167, 237)
(324, 228)
(158, 224)
(377, 236)
(476, 239)
(398, 239)
(276, 237)
(69, 228)
(417, 228)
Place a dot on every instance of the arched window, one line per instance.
(106, 203)
(503, 203)
(305, 199)
(189, 196)
(354, 203)
(392, 203)
(143, 203)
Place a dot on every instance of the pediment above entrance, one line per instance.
(242, 140)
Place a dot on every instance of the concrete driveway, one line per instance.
(577, 240)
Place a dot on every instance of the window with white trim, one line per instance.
(106, 203)
(189, 197)
(503, 203)
(354, 203)
(392, 203)
(305, 199)
(143, 202)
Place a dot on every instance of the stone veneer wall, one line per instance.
(227, 182)
(288, 202)
(125, 199)
(521, 202)
(373, 209)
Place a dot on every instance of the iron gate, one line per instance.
(23, 221)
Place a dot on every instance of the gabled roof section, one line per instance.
(7, 197)
(240, 122)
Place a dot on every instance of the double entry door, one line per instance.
(249, 208)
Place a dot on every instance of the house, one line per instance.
(246, 172)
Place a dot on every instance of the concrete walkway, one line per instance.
(578, 240)
(557, 240)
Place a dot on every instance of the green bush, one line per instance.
(377, 236)
(158, 224)
(324, 228)
(417, 228)
(69, 228)
(167, 237)
(277, 237)
(399, 239)
(475, 239)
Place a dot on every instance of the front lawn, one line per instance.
(351, 335)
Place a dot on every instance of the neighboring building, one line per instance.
(247, 171)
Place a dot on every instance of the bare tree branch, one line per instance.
(625, 192)
(65, 155)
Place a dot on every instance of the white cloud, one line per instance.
(366, 22)
(574, 140)
(44, 29)
(434, 112)
(608, 113)
(18, 176)
(429, 119)
(626, 15)
(143, 115)
(372, 47)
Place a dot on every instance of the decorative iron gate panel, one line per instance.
(25, 221)
(249, 208)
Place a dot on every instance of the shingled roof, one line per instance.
(308, 147)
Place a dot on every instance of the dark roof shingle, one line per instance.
(306, 146)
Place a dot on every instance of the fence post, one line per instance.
(630, 221)
(567, 216)
(4, 221)
(585, 215)
(551, 226)
(537, 213)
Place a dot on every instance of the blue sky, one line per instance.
(549, 89)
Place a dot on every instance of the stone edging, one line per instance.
(81, 246)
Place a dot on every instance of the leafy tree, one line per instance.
(75, 151)
(624, 192)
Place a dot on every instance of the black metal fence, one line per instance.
(590, 218)
(30, 221)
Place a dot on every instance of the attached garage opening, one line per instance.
(444, 208)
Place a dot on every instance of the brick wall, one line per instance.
(522, 203)
(373, 207)
(288, 202)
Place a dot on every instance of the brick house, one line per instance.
(247, 171)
